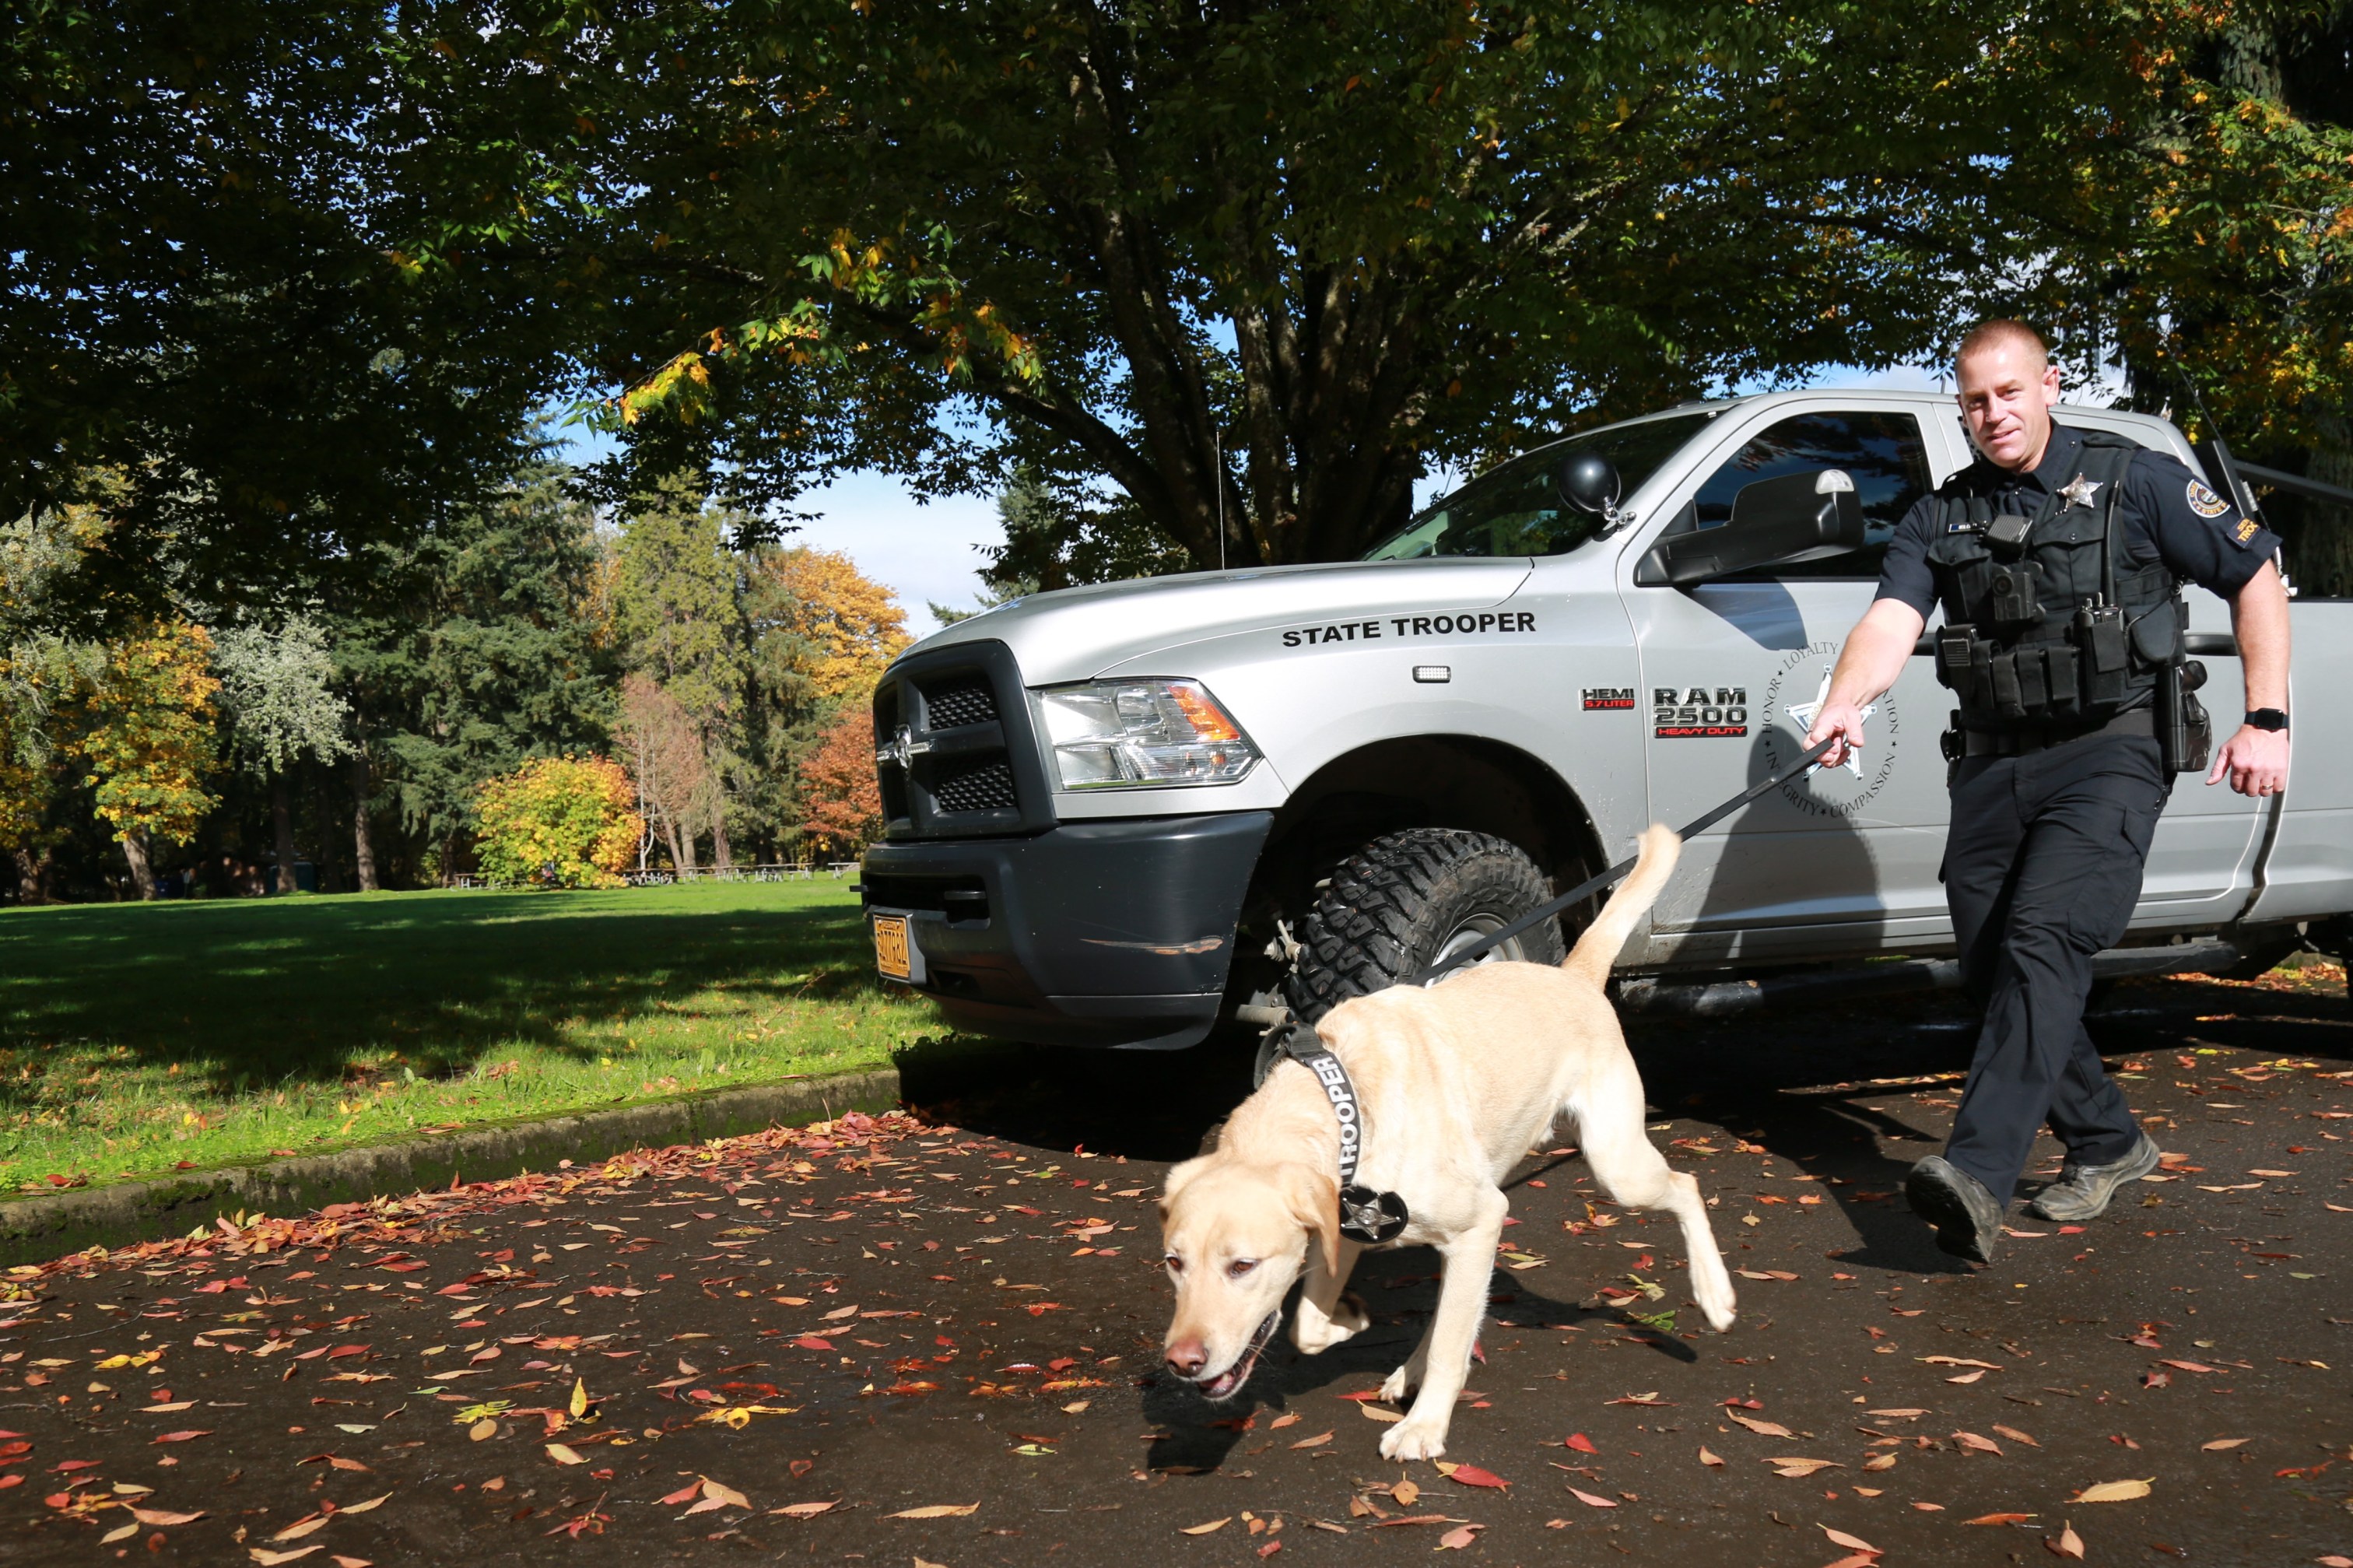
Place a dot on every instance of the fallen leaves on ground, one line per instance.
(2113, 1491)
(936, 1510)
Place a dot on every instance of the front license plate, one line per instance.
(891, 953)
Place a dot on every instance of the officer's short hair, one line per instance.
(1998, 332)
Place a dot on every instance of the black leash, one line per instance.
(1594, 884)
(1371, 1217)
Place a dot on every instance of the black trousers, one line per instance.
(2042, 868)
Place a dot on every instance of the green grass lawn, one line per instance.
(135, 1037)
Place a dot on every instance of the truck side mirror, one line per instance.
(1589, 483)
(1775, 523)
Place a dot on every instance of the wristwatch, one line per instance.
(2273, 719)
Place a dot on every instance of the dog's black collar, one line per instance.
(1366, 1216)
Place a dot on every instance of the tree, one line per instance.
(560, 821)
(829, 624)
(677, 619)
(277, 684)
(149, 738)
(669, 761)
(843, 803)
(1269, 260)
(211, 295)
(479, 647)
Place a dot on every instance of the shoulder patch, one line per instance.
(2205, 503)
(2244, 534)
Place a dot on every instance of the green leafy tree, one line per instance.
(278, 685)
(478, 648)
(678, 620)
(211, 291)
(1281, 257)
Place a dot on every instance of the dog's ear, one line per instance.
(1175, 1182)
(1314, 1201)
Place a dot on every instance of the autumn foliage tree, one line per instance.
(842, 805)
(149, 739)
(559, 821)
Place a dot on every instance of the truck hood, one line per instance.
(1074, 634)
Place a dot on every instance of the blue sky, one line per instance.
(930, 552)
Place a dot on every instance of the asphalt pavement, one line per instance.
(934, 1338)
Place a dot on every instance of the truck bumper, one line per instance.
(1114, 933)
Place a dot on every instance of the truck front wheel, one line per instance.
(1407, 899)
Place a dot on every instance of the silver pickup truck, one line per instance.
(1123, 814)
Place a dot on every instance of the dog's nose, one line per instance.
(1187, 1357)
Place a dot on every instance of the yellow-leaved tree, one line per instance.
(148, 738)
(841, 627)
(559, 821)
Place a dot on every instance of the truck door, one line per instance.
(1733, 670)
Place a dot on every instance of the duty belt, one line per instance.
(2019, 739)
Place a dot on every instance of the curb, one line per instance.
(33, 1230)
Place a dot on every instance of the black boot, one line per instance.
(1966, 1217)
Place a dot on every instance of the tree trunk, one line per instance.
(719, 854)
(32, 875)
(281, 822)
(142, 872)
(363, 839)
(680, 860)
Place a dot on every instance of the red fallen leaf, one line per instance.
(182, 1437)
(1589, 1500)
(1998, 1518)
(684, 1494)
(1472, 1476)
(211, 1287)
(1581, 1443)
(1460, 1538)
(1039, 1308)
(1363, 1396)
(1738, 1403)
(1271, 1547)
(2187, 1366)
(402, 1268)
(1019, 1209)
(2156, 1379)
(11, 1480)
(1061, 1363)
(811, 1343)
(342, 1350)
(71, 1464)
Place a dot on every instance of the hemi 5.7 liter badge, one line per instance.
(1697, 713)
(1608, 699)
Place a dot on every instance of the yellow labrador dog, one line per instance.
(1455, 1083)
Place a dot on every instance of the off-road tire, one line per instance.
(1389, 908)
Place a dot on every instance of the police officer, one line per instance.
(2057, 557)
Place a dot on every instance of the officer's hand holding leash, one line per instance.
(1873, 659)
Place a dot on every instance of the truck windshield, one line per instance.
(1516, 509)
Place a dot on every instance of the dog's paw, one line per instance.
(1414, 1438)
(1399, 1386)
(1315, 1333)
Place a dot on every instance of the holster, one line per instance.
(2185, 733)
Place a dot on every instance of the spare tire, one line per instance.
(1407, 900)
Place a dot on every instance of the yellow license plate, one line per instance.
(891, 953)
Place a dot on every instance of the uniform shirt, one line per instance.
(2168, 512)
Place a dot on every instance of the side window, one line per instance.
(1883, 453)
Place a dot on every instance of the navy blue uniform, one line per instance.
(2044, 852)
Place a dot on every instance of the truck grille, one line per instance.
(976, 787)
(955, 755)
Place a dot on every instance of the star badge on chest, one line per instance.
(2079, 491)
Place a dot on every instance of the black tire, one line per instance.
(1397, 904)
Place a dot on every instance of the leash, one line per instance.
(1594, 884)
(1371, 1217)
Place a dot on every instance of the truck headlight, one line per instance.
(1128, 735)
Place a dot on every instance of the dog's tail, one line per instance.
(1596, 949)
